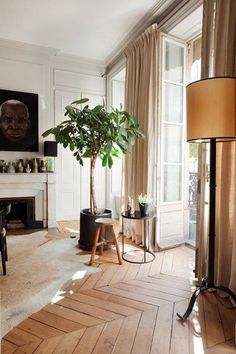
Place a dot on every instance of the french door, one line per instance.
(172, 208)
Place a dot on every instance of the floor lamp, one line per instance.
(211, 117)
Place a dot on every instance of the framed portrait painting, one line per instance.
(18, 121)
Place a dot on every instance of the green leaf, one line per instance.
(72, 146)
(110, 161)
(123, 131)
(70, 110)
(81, 135)
(139, 134)
(97, 109)
(104, 160)
(47, 132)
(78, 158)
(116, 153)
(131, 139)
(60, 139)
(65, 122)
(81, 101)
(97, 119)
(108, 148)
(87, 153)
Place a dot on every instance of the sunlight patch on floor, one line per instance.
(59, 296)
(79, 275)
(196, 333)
(74, 231)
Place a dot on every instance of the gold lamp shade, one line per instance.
(211, 109)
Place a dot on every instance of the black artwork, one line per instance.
(18, 121)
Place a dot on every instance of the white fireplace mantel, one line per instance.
(41, 186)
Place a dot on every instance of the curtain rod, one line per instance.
(168, 19)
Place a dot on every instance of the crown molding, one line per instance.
(67, 61)
(30, 53)
(146, 20)
(26, 52)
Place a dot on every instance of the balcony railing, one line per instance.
(192, 191)
(192, 204)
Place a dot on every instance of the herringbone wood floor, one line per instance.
(128, 309)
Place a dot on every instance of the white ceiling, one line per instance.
(86, 28)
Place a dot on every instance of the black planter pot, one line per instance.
(88, 227)
(144, 209)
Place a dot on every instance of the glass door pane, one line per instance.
(173, 99)
(172, 183)
(174, 62)
(173, 136)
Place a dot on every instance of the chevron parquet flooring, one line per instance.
(128, 309)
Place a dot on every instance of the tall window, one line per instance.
(172, 121)
(171, 137)
(115, 99)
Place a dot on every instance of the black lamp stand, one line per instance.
(208, 282)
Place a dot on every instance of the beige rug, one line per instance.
(39, 264)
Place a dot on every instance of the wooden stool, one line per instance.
(102, 223)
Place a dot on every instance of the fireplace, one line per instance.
(38, 186)
(22, 214)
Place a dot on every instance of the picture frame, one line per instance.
(18, 121)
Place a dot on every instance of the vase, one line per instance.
(27, 169)
(11, 168)
(35, 166)
(43, 166)
(144, 209)
(19, 167)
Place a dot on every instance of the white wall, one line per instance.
(57, 79)
(27, 75)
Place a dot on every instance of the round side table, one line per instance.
(148, 256)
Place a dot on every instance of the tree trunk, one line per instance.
(93, 202)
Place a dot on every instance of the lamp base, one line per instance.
(50, 164)
(203, 287)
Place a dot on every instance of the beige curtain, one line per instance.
(219, 59)
(141, 90)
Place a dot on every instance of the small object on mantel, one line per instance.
(2, 166)
(35, 166)
(72, 236)
(11, 168)
(43, 166)
(28, 169)
(19, 167)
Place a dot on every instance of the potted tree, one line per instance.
(92, 133)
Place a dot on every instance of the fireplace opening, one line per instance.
(22, 214)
